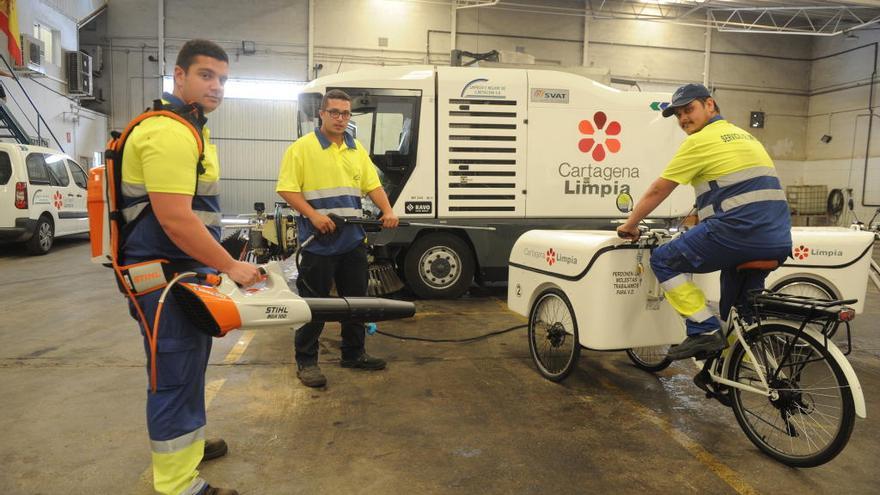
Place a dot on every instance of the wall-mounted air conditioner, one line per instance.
(31, 53)
(79, 73)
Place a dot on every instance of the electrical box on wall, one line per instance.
(79, 73)
(31, 54)
(756, 120)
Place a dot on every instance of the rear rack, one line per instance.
(774, 304)
(803, 310)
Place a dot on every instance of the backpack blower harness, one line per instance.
(108, 226)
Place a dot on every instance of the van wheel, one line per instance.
(44, 235)
(439, 266)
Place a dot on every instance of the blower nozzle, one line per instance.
(358, 309)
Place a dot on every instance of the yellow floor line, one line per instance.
(726, 474)
(212, 388)
(238, 349)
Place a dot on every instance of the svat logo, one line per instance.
(550, 256)
(597, 136)
(801, 252)
(56, 200)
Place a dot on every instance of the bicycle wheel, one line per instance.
(553, 335)
(815, 289)
(809, 416)
(652, 359)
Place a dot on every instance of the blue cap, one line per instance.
(685, 95)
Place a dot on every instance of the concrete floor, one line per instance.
(443, 418)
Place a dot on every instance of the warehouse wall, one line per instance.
(251, 149)
(81, 132)
(779, 75)
(841, 82)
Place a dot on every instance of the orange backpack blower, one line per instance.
(107, 227)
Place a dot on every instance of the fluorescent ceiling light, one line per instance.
(255, 89)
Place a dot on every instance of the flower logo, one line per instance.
(592, 143)
(801, 252)
(56, 200)
(550, 256)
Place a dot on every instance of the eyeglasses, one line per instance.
(336, 114)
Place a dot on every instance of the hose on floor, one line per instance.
(467, 339)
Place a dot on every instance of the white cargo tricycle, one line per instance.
(792, 390)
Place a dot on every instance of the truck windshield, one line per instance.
(307, 119)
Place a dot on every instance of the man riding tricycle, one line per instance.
(768, 355)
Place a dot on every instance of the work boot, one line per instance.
(310, 375)
(214, 448)
(704, 343)
(364, 362)
(210, 490)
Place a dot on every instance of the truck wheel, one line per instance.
(44, 234)
(439, 266)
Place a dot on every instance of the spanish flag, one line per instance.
(9, 25)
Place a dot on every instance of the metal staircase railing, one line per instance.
(10, 128)
(10, 124)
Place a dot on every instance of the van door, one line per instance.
(78, 212)
(63, 199)
(48, 188)
(8, 211)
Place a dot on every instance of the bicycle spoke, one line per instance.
(802, 421)
(552, 334)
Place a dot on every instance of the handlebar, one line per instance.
(648, 237)
(642, 230)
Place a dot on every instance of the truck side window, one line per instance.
(389, 128)
(57, 170)
(79, 177)
(363, 127)
(5, 168)
(37, 171)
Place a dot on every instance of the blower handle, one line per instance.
(215, 280)
(371, 225)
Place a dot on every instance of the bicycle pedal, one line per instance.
(701, 380)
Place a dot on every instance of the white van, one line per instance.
(42, 196)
